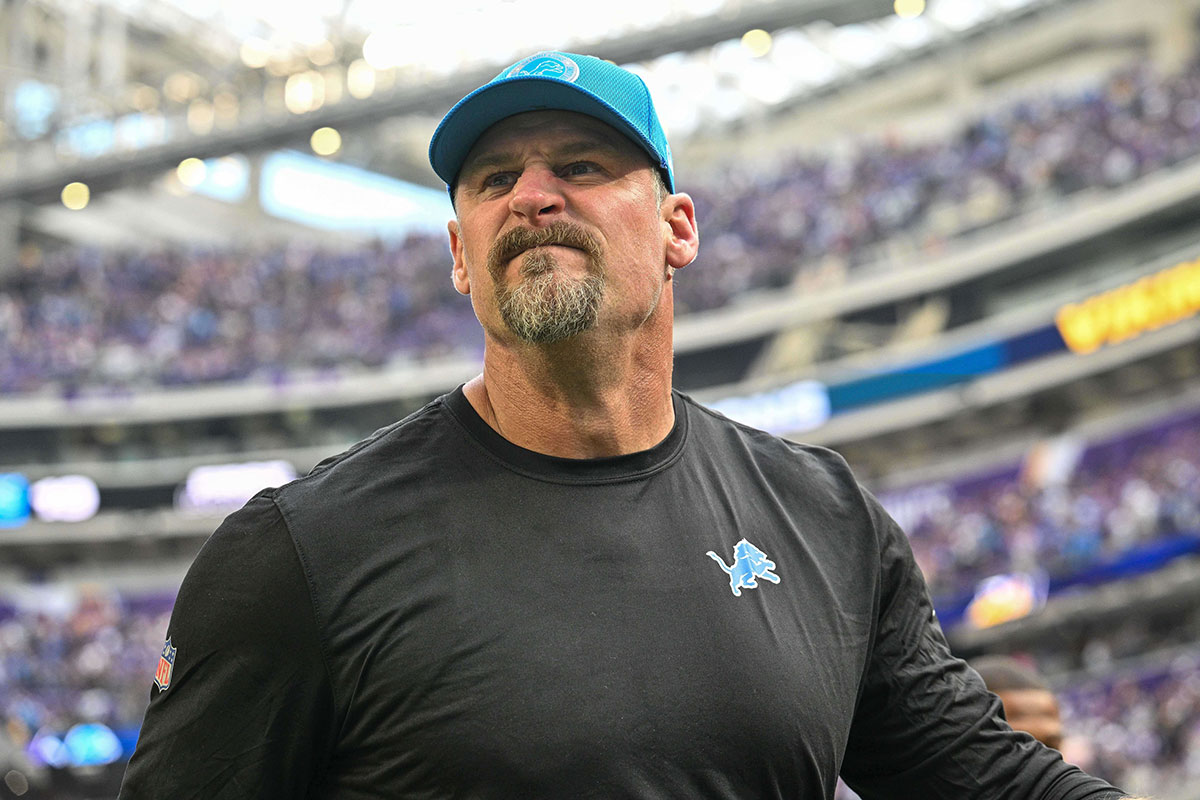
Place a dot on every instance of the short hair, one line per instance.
(660, 186)
(1004, 673)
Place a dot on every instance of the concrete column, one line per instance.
(75, 57)
(962, 82)
(112, 55)
(17, 51)
(1173, 33)
(252, 203)
(10, 229)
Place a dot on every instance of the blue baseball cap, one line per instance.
(553, 80)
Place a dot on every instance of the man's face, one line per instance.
(1034, 711)
(560, 229)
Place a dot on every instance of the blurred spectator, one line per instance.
(1029, 704)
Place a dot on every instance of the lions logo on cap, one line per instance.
(546, 65)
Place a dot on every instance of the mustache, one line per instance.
(518, 240)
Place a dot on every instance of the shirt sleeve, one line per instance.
(925, 726)
(247, 710)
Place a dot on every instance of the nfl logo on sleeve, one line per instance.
(166, 665)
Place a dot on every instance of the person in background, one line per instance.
(1029, 704)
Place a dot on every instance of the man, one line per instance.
(563, 579)
(1028, 703)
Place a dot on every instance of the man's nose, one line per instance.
(537, 194)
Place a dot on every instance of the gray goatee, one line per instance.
(546, 306)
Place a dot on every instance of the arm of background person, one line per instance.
(925, 726)
(248, 708)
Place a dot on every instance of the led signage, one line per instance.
(1131, 310)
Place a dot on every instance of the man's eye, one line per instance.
(580, 168)
(499, 179)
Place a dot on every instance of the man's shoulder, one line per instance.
(409, 433)
(402, 449)
(714, 429)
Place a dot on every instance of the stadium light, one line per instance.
(757, 41)
(66, 498)
(14, 499)
(335, 84)
(224, 487)
(91, 744)
(908, 9)
(180, 87)
(304, 92)
(225, 106)
(144, 98)
(191, 172)
(382, 48)
(76, 195)
(360, 79)
(255, 53)
(322, 54)
(800, 406)
(201, 117)
(325, 141)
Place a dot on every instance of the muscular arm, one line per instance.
(925, 726)
(247, 712)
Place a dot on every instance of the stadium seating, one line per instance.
(1120, 495)
(76, 321)
(77, 318)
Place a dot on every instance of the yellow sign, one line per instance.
(1131, 310)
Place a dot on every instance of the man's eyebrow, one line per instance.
(487, 161)
(570, 148)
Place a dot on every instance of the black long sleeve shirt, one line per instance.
(438, 613)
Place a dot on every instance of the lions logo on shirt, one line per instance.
(749, 564)
(166, 665)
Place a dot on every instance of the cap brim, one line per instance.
(484, 107)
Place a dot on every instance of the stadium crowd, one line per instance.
(68, 657)
(1140, 728)
(80, 318)
(1122, 494)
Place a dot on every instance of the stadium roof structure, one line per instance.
(833, 43)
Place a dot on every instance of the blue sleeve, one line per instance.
(246, 711)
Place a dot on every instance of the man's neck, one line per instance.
(573, 400)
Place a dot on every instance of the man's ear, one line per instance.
(682, 235)
(458, 273)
